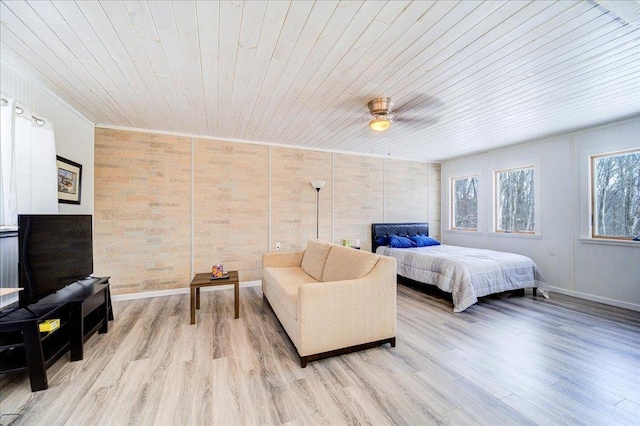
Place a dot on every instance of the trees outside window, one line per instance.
(615, 183)
(464, 203)
(515, 200)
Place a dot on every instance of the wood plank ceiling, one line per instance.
(465, 76)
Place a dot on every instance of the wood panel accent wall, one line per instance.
(406, 185)
(293, 199)
(142, 214)
(231, 206)
(169, 206)
(358, 197)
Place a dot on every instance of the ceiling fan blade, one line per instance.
(426, 121)
(419, 104)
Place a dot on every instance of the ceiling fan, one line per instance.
(380, 109)
(383, 116)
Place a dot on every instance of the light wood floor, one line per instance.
(507, 360)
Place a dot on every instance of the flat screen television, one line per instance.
(53, 252)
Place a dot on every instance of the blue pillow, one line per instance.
(400, 242)
(382, 241)
(424, 241)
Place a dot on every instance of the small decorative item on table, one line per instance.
(217, 272)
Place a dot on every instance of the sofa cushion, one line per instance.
(314, 258)
(344, 263)
(282, 286)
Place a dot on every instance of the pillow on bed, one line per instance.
(400, 242)
(424, 241)
(382, 241)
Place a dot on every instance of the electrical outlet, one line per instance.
(552, 251)
(277, 246)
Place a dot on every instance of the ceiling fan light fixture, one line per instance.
(380, 123)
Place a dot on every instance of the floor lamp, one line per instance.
(317, 184)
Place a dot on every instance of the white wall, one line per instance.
(73, 132)
(608, 273)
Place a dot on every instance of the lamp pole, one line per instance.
(317, 184)
(317, 213)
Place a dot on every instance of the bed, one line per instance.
(466, 273)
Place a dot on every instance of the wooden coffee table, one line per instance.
(204, 280)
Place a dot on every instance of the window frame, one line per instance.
(452, 210)
(537, 206)
(592, 196)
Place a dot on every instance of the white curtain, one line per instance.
(36, 167)
(28, 163)
(44, 180)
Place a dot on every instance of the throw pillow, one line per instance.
(314, 258)
(401, 242)
(424, 241)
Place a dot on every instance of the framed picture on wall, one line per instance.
(69, 181)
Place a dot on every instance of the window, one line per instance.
(515, 200)
(464, 203)
(615, 185)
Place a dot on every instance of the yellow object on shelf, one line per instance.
(49, 325)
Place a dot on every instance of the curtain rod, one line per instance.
(19, 110)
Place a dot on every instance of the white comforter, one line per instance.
(467, 273)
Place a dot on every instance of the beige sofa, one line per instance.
(332, 299)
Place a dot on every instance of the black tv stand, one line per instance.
(83, 308)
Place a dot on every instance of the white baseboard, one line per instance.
(257, 283)
(599, 299)
(176, 291)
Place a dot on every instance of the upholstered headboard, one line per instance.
(401, 229)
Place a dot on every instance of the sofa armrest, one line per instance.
(339, 314)
(282, 259)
